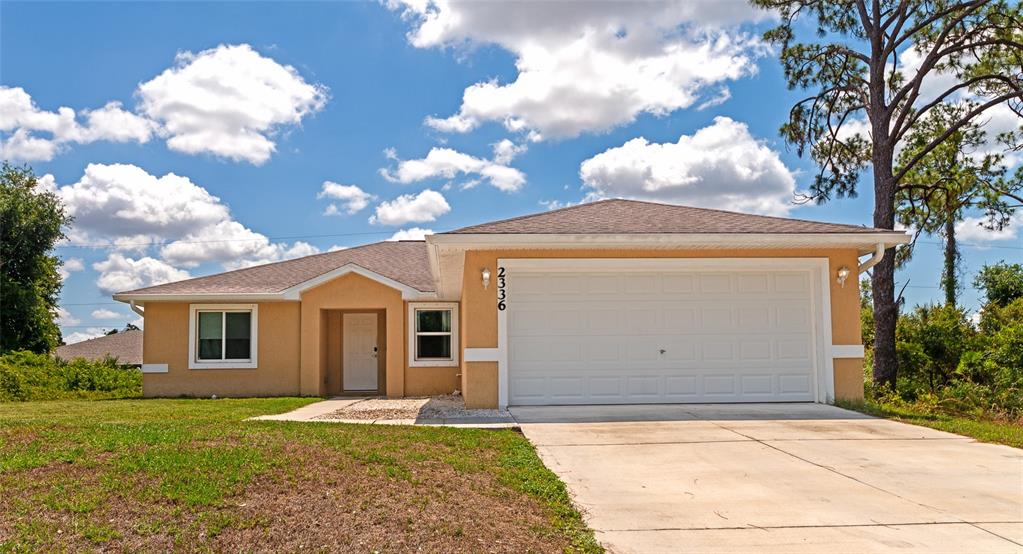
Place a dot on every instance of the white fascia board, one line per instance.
(866, 241)
(141, 299)
(292, 293)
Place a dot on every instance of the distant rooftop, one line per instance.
(126, 346)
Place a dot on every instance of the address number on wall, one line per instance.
(502, 295)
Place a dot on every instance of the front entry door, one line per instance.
(359, 369)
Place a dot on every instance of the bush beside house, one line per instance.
(952, 364)
(29, 376)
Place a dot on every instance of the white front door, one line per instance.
(359, 369)
(628, 335)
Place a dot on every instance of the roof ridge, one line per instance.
(666, 205)
(535, 214)
(730, 212)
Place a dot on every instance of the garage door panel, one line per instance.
(693, 336)
(753, 283)
(792, 282)
(676, 284)
(606, 387)
(712, 283)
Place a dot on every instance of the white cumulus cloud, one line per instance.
(351, 198)
(119, 273)
(35, 134)
(411, 208)
(971, 230)
(589, 66)
(104, 313)
(720, 166)
(64, 317)
(79, 336)
(70, 266)
(448, 163)
(228, 101)
(414, 233)
(125, 207)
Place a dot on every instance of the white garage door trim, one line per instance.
(820, 298)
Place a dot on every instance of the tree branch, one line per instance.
(952, 129)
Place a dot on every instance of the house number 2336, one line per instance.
(501, 294)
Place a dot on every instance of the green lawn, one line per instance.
(193, 475)
(1001, 432)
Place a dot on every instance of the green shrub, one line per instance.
(929, 343)
(948, 365)
(28, 376)
(1001, 283)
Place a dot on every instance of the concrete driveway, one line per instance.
(778, 478)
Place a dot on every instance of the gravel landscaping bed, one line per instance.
(434, 407)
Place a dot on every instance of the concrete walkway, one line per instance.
(310, 412)
(778, 478)
(317, 411)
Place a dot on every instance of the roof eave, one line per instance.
(865, 241)
(292, 293)
(447, 251)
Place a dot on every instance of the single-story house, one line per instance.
(126, 346)
(614, 301)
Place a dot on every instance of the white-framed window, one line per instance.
(433, 334)
(222, 336)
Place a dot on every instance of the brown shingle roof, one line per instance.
(635, 217)
(403, 261)
(126, 346)
(407, 262)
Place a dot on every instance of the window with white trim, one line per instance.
(433, 334)
(222, 336)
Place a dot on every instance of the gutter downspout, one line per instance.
(136, 309)
(877, 257)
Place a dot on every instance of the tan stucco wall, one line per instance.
(165, 341)
(350, 292)
(849, 378)
(300, 353)
(300, 347)
(479, 306)
(481, 382)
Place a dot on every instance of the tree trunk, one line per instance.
(886, 310)
(949, 277)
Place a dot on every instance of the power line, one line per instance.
(165, 242)
(974, 245)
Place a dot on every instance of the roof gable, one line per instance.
(402, 262)
(619, 216)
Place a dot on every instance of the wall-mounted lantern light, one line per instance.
(843, 274)
(486, 277)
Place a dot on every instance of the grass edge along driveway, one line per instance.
(191, 474)
(984, 430)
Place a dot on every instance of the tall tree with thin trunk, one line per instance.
(870, 71)
(955, 178)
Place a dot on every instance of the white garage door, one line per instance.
(650, 336)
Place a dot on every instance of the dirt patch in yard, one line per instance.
(352, 508)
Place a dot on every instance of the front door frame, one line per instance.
(381, 354)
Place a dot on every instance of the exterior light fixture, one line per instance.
(843, 274)
(486, 277)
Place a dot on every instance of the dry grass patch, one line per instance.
(188, 475)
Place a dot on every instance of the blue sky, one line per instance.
(349, 89)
